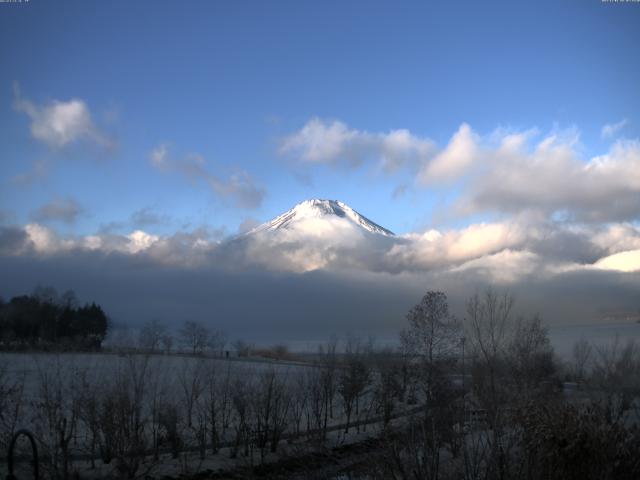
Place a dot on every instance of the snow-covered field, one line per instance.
(99, 367)
(93, 400)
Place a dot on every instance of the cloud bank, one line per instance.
(600, 265)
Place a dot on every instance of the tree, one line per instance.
(12, 402)
(581, 354)
(194, 335)
(242, 348)
(511, 368)
(216, 342)
(432, 338)
(42, 320)
(530, 358)
(616, 373)
(167, 342)
(152, 334)
(353, 379)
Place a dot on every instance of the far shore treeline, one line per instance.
(45, 320)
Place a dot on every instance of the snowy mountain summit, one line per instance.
(319, 209)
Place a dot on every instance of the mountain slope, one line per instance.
(320, 209)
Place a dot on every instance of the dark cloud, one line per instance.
(6, 216)
(38, 171)
(328, 275)
(147, 216)
(59, 209)
(13, 240)
(260, 305)
(254, 304)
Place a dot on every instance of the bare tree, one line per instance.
(387, 385)
(11, 404)
(432, 340)
(354, 377)
(168, 423)
(319, 382)
(530, 360)
(329, 359)
(216, 401)
(269, 410)
(243, 349)
(89, 416)
(191, 381)
(56, 414)
(489, 329)
(581, 355)
(151, 335)
(299, 402)
(167, 343)
(216, 342)
(240, 394)
(194, 336)
(616, 373)
(123, 419)
(433, 337)
(156, 391)
(512, 366)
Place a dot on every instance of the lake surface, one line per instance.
(562, 337)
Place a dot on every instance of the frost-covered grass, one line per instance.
(137, 411)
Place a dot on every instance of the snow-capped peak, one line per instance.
(317, 208)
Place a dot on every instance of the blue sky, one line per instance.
(229, 80)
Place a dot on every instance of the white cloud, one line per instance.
(623, 262)
(183, 249)
(506, 171)
(333, 142)
(140, 240)
(320, 142)
(434, 249)
(401, 147)
(455, 160)
(61, 123)
(610, 129)
(159, 157)
(45, 240)
(554, 177)
(503, 268)
(503, 253)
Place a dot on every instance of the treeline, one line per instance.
(47, 321)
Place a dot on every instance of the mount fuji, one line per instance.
(315, 210)
(315, 234)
